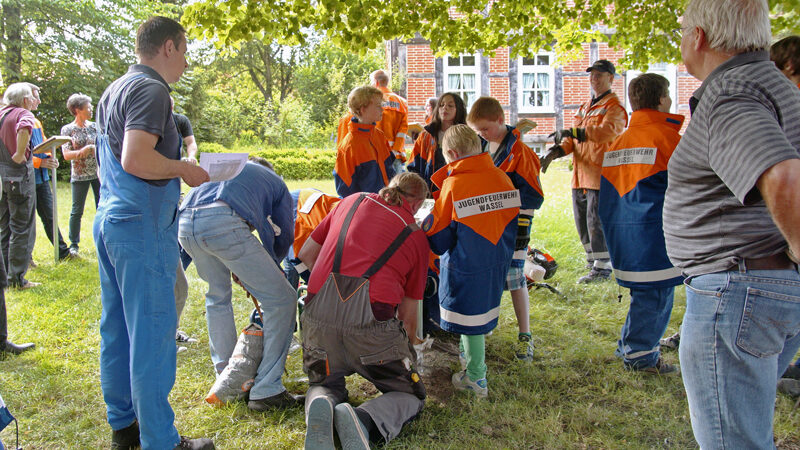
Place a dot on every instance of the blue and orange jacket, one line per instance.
(426, 158)
(37, 137)
(633, 184)
(473, 227)
(522, 166)
(363, 160)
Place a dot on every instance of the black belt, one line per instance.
(778, 261)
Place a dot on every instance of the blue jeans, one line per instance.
(44, 208)
(739, 333)
(80, 189)
(220, 242)
(646, 322)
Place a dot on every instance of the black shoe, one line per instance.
(793, 371)
(282, 400)
(661, 368)
(126, 438)
(15, 349)
(595, 275)
(195, 444)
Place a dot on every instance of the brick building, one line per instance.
(535, 88)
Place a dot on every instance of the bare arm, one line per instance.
(140, 158)
(191, 148)
(407, 312)
(780, 187)
(309, 252)
(23, 138)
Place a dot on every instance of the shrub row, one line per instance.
(290, 163)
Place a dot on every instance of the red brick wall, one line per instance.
(419, 91)
(419, 59)
(579, 65)
(499, 89)
(500, 61)
(576, 89)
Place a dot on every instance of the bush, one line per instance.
(290, 163)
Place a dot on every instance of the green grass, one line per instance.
(574, 395)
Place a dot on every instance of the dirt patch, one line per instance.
(437, 370)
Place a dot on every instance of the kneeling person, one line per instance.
(361, 311)
(215, 229)
(632, 189)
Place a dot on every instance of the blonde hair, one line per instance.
(485, 108)
(462, 139)
(407, 185)
(361, 97)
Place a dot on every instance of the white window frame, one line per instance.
(668, 71)
(523, 69)
(463, 70)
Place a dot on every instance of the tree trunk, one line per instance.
(11, 42)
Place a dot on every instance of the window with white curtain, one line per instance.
(462, 75)
(668, 71)
(536, 83)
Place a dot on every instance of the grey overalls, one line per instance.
(342, 337)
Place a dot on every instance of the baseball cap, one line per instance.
(603, 65)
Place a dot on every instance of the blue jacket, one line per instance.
(363, 160)
(522, 166)
(632, 189)
(473, 227)
(261, 198)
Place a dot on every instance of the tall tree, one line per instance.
(644, 28)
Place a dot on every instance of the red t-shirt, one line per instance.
(373, 228)
(18, 119)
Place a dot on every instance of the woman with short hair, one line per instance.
(80, 151)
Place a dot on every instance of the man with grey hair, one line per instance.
(17, 226)
(730, 223)
(16, 123)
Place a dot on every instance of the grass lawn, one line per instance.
(574, 395)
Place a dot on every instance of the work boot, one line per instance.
(595, 275)
(195, 444)
(282, 400)
(660, 368)
(789, 387)
(16, 349)
(126, 438)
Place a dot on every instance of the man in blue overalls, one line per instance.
(135, 231)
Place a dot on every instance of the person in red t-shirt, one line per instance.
(361, 312)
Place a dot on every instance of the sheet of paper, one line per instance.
(222, 166)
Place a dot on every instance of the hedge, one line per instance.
(290, 163)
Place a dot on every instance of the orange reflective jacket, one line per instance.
(603, 122)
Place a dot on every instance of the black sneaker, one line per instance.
(126, 438)
(793, 371)
(595, 275)
(195, 444)
(661, 368)
(672, 342)
(282, 400)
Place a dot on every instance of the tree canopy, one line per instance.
(644, 28)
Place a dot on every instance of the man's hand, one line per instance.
(553, 152)
(193, 175)
(49, 163)
(574, 133)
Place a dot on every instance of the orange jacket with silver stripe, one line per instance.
(394, 122)
(312, 207)
(363, 161)
(603, 122)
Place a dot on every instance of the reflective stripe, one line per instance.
(640, 354)
(467, 320)
(309, 203)
(527, 212)
(300, 268)
(520, 254)
(401, 136)
(599, 255)
(391, 143)
(652, 275)
(602, 264)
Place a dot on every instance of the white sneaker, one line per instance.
(180, 349)
(462, 382)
